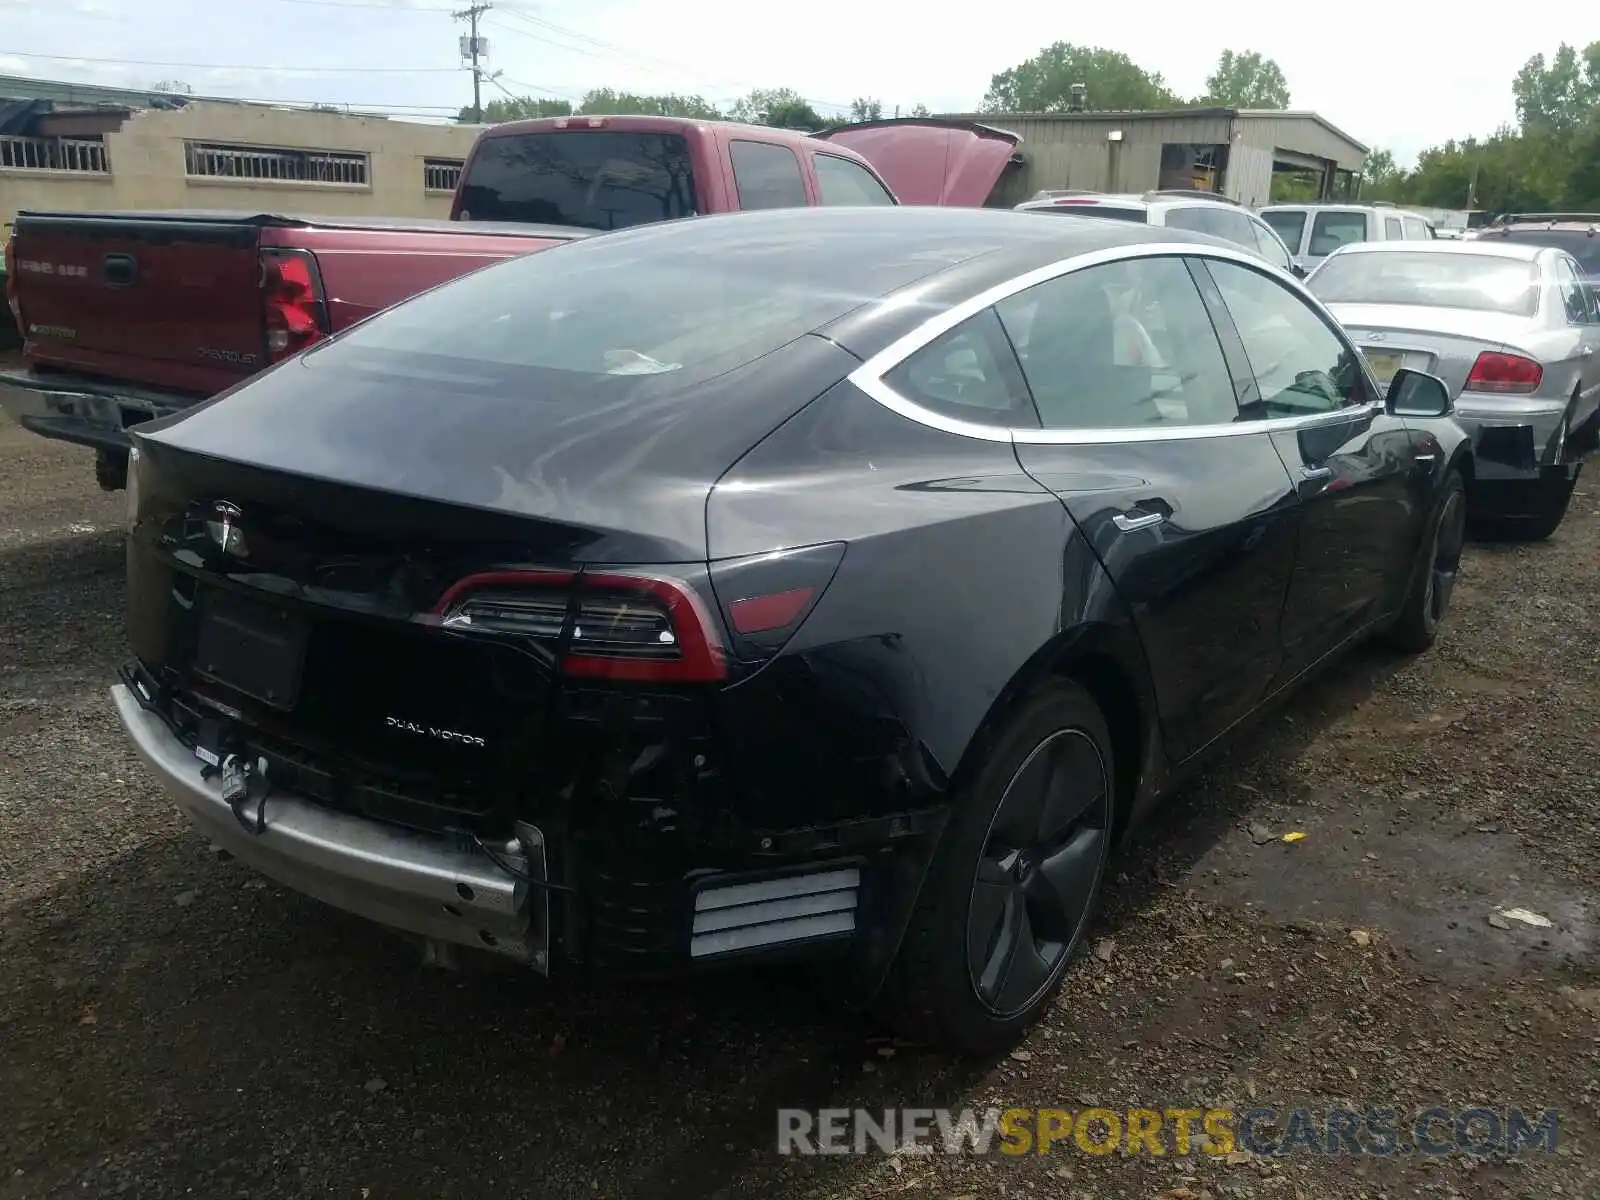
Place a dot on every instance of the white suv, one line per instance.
(1203, 212)
(1314, 231)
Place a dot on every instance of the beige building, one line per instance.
(1229, 150)
(222, 155)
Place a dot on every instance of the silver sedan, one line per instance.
(1513, 329)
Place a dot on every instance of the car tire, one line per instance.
(111, 470)
(1433, 579)
(964, 978)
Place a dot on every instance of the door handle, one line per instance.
(1316, 474)
(1133, 520)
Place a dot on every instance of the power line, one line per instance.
(606, 49)
(147, 62)
(389, 8)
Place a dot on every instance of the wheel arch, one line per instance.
(1107, 660)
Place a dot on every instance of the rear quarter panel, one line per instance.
(961, 574)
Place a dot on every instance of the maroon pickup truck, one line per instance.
(127, 317)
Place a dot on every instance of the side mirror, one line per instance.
(1417, 394)
(1299, 271)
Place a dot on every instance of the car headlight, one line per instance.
(133, 487)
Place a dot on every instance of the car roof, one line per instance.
(1524, 251)
(1144, 200)
(927, 258)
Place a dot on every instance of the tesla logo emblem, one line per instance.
(223, 528)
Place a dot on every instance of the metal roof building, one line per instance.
(1231, 150)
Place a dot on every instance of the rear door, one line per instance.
(1352, 463)
(1186, 503)
(1332, 228)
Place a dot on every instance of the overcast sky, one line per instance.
(1400, 76)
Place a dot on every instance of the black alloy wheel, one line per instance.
(1444, 560)
(1038, 872)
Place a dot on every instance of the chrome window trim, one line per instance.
(868, 377)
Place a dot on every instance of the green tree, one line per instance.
(1247, 80)
(1582, 190)
(1559, 95)
(607, 100)
(517, 108)
(865, 109)
(1044, 82)
(783, 108)
(920, 110)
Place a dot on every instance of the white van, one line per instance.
(1314, 231)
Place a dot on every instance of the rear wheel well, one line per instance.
(1114, 692)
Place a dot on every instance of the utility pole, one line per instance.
(472, 46)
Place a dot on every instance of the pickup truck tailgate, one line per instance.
(108, 292)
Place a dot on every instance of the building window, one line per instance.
(83, 154)
(441, 174)
(212, 160)
(1193, 166)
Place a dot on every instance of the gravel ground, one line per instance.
(172, 1025)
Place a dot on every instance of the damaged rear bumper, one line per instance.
(545, 899)
(428, 885)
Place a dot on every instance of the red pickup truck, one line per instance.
(127, 317)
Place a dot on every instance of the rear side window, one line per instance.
(1573, 294)
(1331, 230)
(969, 373)
(1126, 345)
(1391, 229)
(591, 179)
(840, 181)
(767, 176)
(1110, 212)
(1288, 225)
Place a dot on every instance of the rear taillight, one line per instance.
(13, 301)
(629, 627)
(767, 597)
(294, 314)
(1496, 372)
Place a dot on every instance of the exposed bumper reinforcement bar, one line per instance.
(424, 884)
(85, 413)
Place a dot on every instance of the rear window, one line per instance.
(590, 179)
(1582, 246)
(1476, 281)
(1111, 212)
(651, 310)
(1287, 225)
(1334, 229)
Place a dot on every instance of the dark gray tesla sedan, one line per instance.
(817, 582)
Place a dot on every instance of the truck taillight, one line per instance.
(13, 301)
(1496, 372)
(294, 311)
